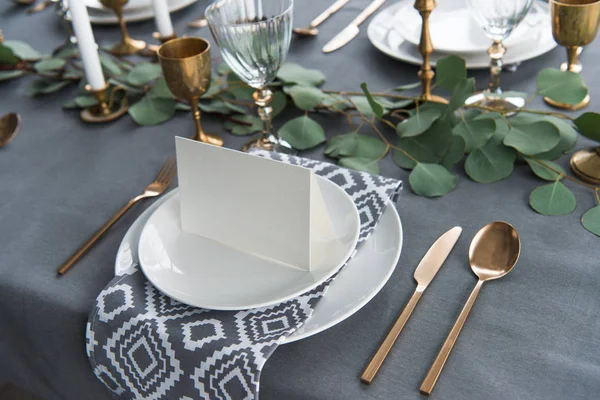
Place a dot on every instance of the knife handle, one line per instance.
(366, 13)
(328, 13)
(369, 373)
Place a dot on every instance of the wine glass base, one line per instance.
(499, 103)
(128, 47)
(269, 143)
(586, 165)
(571, 107)
(210, 139)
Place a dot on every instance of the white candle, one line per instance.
(87, 44)
(162, 18)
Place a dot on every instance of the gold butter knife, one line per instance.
(424, 274)
(350, 32)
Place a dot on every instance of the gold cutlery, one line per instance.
(198, 23)
(494, 251)
(9, 127)
(41, 6)
(154, 189)
(424, 274)
(312, 30)
(350, 32)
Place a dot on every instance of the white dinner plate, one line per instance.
(204, 273)
(360, 280)
(107, 17)
(386, 38)
(454, 30)
(131, 4)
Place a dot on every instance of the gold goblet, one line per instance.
(574, 24)
(127, 44)
(185, 62)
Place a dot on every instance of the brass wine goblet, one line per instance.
(574, 25)
(127, 45)
(185, 62)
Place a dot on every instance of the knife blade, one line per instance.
(350, 32)
(424, 274)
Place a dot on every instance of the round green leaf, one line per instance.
(491, 162)
(431, 180)
(279, 103)
(428, 147)
(294, 73)
(46, 86)
(22, 50)
(109, 66)
(143, 73)
(377, 108)
(408, 86)
(591, 220)
(543, 172)
(161, 90)
(355, 145)
(49, 65)
(241, 93)
(552, 199)
(562, 86)
(589, 125)
(360, 164)
(7, 57)
(475, 132)
(216, 106)
(533, 138)
(6, 75)
(253, 124)
(336, 102)
(152, 110)
(418, 123)
(449, 71)
(85, 101)
(566, 130)
(306, 97)
(302, 133)
(461, 92)
(362, 105)
(455, 153)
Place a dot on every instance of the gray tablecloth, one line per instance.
(533, 335)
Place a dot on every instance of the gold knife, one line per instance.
(424, 274)
(352, 30)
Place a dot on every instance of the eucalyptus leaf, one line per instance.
(449, 71)
(130, 89)
(455, 152)
(362, 105)
(393, 105)
(215, 106)
(447, 116)
(70, 105)
(336, 102)
(461, 92)
(72, 73)
(46, 86)
(568, 133)
(544, 173)
(561, 86)
(6, 75)
(431, 180)
(356, 145)
(377, 108)
(242, 92)
(161, 90)
(110, 66)
(418, 123)
(591, 220)
(278, 103)
(491, 162)
(533, 138)
(293, 73)
(7, 57)
(182, 107)
(212, 90)
(306, 97)
(49, 64)
(223, 69)
(428, 147)
(502, 127)
(255, 125)
(85, 101)
(408, 86)
(68, 51)
(22, 50)
(143, 73)
(302, 133)
(152, 110)
(589, 125)
(552, 199)
(360, 164)
(475, 132)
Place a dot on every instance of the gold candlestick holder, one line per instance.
(426, 74)
(127, 45)
(104, 111)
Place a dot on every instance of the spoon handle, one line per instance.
(440, 360)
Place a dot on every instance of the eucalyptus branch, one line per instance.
(580, 182)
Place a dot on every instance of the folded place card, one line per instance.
(260, 206)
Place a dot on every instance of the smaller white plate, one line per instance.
(131, 4)
(107, 17)
(204, 273)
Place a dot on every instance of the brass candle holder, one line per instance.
(127, 45)
(574, 24)
(104, 111)
(426, 74)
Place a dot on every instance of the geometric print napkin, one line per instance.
(144, 345)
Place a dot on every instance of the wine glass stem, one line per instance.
(496, 52)
(200, 135)
(263, 98)
(122, 25)
(573, 63)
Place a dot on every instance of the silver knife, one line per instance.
(424, 274)
(352, 30)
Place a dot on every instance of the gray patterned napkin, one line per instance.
(144, 345)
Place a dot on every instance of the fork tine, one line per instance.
(166, 166)
(168, 174)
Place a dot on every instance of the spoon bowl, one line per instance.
(494, 250)
(310, 31)
(9, 127)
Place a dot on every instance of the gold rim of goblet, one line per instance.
(214, 5)
(576, 3)
(174, 42)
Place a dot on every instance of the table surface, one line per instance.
(533, 335)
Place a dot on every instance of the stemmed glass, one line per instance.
(254, 38)
(498, 18)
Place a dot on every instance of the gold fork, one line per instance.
(156, 188)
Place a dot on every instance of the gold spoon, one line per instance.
(312, 30)
(9, 127)
(493, 253)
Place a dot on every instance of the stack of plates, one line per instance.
(396, 31)
(204, 273)
(134, 10)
